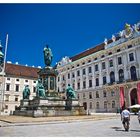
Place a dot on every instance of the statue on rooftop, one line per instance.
(26, 92)
(70, 93)
(47, 56)
(128, 30)
(40, 91)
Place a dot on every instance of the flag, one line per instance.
(121, 97)
(138, 92)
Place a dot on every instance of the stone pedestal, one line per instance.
(49, 107)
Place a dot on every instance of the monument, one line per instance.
(47, 101)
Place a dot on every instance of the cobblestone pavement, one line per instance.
(87, 128)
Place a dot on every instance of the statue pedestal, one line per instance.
(39, 107)
(24, 103)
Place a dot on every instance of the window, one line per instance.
(96, 67)
(112, 93)
(112, 77)
(58, 79)
(68, 76)
(110, 53)
(105, 104)
(84, 71)
(104, 93)
(78, 85)
(77, 65)
(26, 81)
(102, 56)
(7, 87)
(90, 105)
(84, 84)
(90, 95)
(131, 57)
(34, 89)
(73, 75)
(34, 81)
(84, 96)
(104, 80)
(7, 97)
(90, 83)
(8, 79)
(121, 75)
(89, 70)
(97, 94)
(129, 46)
(97, 81)
(72, 67)
(17, 80)
(63, 78)
(83, 63)
(78, 73)
(118, 50)
(97, 105)
(111, 63)
(17, 88)
(6, 106)
(89, 61)
(133, 73)
(103, 65)
(119, 60)
(73, 85)
(113, 104)
(95, 58)
(16, 99)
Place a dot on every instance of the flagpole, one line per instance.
(3, 73)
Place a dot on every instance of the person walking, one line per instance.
(125, 118)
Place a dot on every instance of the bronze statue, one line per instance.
(40, 92)
(47, 56)
(70, 93)
(26, 92)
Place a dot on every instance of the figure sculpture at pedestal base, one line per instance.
(40, 92)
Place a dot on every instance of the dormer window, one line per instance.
(110, 53)
(102, 56)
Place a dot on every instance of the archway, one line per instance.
(133, 96)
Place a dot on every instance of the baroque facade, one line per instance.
(98, 74)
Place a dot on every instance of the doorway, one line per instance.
(133, 96)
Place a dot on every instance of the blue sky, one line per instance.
(68, 29)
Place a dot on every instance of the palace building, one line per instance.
(15, 78)
(107, 76)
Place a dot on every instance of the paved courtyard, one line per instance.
(82, 128)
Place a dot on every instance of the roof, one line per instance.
(92, 50)
(21, 71)
(88, 52)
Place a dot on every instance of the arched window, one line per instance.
(112, 77)
(105, 104)
(113, 104)
(133, 73)
(90, 105)
(97, 105)
(97, 94)
(121, 75)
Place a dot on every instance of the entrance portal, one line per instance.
(133, 96)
